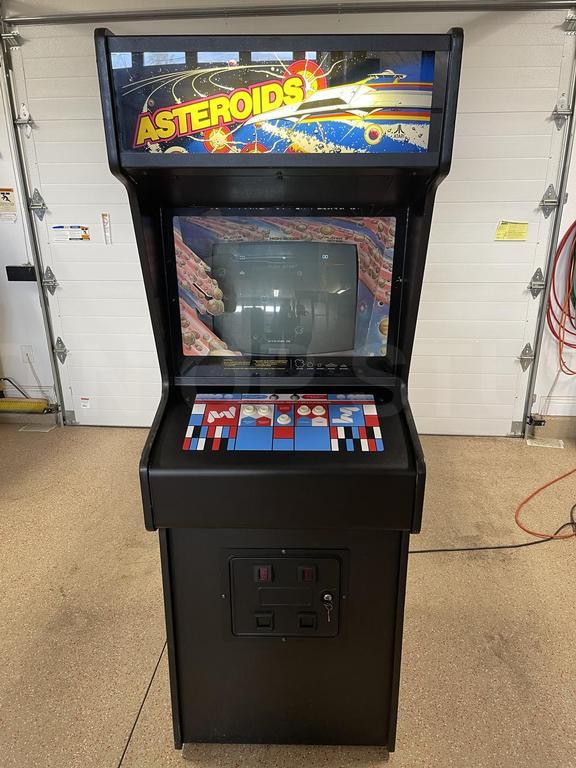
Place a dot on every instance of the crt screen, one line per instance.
(286, 298)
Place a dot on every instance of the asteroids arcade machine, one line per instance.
(282, 190)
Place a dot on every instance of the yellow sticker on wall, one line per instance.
(512, 230)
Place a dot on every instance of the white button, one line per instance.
(284, 419)
(263, 410)
(248, 409)
(318, 410)
(303, 410)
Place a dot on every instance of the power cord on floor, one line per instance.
(542, 537)
(498, 546)
(141, 707)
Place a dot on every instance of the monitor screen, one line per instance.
(286, 298)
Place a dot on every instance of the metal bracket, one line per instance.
(537, 283)
(12, 38)
(49, 281)
(24, 119)
(550, 201)
(61, 350)
(569, 23)
(526, 357)
(562, 111)
(37, 205)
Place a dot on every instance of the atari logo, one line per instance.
(229, 414)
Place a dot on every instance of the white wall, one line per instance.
(476, 313)
(20, 315)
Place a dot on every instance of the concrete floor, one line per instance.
(488, 674)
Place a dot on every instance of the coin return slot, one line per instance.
(307, 621)
(264, 622)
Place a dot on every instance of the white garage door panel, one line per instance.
(505, 253)
(472, 213)
(109, 289)
(476, 273)
(515, 56)
(65, 87)
(452, 365)
(503, 124)
(123, 416)
(509, 77)
(476, 312)
(461, 381)
(82, 66)
(55, 108)
(477, 146)
(82, 139)
(488, 191)
(56, 46)
(472, 348)
(88, 271)
(471, 425)
(506, 100)
(109, 391)
(96, 194)
(65, 153)
(103, 307)
(469, 329)
(92, 375)
(96, 324)
(484, 169)
(114, 361)
(115, 342)
(91, 173)
(452, 396)
(471, 292)
(471, 310)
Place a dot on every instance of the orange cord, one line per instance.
(525, 501)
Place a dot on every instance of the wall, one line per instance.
(476, 313)
(20, 315)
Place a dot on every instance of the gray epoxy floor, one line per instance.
(488, 676)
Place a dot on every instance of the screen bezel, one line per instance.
(190, 370)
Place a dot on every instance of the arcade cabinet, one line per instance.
(282, 190)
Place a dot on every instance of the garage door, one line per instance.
(476, 312)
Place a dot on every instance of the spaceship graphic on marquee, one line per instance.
(362, 99)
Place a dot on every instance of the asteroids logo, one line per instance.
(235, 107)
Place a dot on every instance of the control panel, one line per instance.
(284, 422)
(285, 596)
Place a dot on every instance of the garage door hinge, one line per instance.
(61, 350)
(569, 23)
(12, 38)
(537, 283)
(49, 281)
(562, 111)
(24, 119)
(526, 357)
(550, 201)
(37, 205)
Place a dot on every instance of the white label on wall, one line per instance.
(65, 233)
(84, 402)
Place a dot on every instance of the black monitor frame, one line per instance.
(400, 184)
(204, 371)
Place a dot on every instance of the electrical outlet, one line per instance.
(27, 353)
